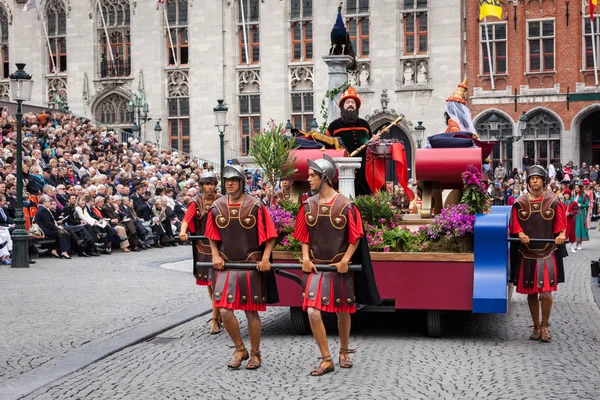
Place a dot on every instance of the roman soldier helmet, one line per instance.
(234, 172)
(537, 170)
(324, 167)
(350, 94)
(208, 177)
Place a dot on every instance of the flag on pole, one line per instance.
(491, 8)
(160, 4)
(593, 4)
(30, 5)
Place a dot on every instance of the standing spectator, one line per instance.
(551, 171)
(581, 230)
(499, 173)
(594, 174)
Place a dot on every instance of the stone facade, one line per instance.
(390, 79)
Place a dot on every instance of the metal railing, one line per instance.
(115, 69)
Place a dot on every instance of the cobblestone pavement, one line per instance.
(480, 356)
(58, 306)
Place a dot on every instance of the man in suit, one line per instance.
(45, 219)
(136, 197)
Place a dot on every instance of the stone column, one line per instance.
(346, 167)
(337, 77)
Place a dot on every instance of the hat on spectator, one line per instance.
(586, 181)
(567, 191)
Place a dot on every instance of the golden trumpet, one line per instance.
(385, 129)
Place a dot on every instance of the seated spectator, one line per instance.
(45, 219)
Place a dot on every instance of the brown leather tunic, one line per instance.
(537, 220)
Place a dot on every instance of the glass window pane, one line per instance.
(296, 102)
(184, 36)
(308, 31)
(309, 51)
(421, 3)
(185, 145)
(364, 28)
(422, 43)
(254, 4)
(296, 31)
(173, 112)
(364, 51)
(555, 149)
(409, 23)
(184, 107)
(245, 124)
(409, 4)
(548, 28)
(185, 127)
(174, 127)
(410, 44)
(183, 12)
(351, 7)
(51, 23)
(244, 105)
(255, 104)
(307, 8)
(120, 16)
(549, 46)
(255, 54)
(534, 47)
(255, 124)
(297, 51)
(535, 64)
(500, 31)
(363, 6)
(175, 143)
(297, 122)
(255, 34)
(295, 9)
(542, 145)
(534, 29)
(352, 28)
(587, 27)
(4, 25)
(172, 12)
(308, 102)
(244, 4)
(127, 15)
(548, 63)
(423, 22)
(245, 145)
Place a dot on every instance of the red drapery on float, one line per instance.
(376, 167)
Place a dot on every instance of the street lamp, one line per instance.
(494, 122)
(288, 128)
(523, 123)
(419, 133)
(21, 86)
(221, 122)
(157, 130)
(136, 107)
(135, 130)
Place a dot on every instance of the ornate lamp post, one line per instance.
(314, 126)
(221, 122)
(523, 123)
(136, 107)
(157, 131)
(494, 122)
(419, 133)
(21, 86)
(288, 128)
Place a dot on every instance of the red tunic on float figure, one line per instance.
(240, 230)
(194, 221)
(538, 269)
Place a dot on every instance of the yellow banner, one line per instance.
(490, 8)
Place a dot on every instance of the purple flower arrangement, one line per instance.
(454, 221)
(474, 191)
(284, 221)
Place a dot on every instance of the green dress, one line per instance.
(581, 232)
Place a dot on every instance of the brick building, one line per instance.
(542, 55)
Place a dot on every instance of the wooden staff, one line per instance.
(386, 129)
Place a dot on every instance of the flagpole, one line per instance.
(594, 48)
(112, 59)
(487, 42)
(170, 37)
(244, 32)
(54, 70)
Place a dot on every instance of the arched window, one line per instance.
(113, 110)
(56, 18)
(4, 43)
(541, 139)
(503, 148)
(115, 51)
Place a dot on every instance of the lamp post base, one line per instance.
(20, 258)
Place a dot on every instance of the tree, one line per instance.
(272, 151)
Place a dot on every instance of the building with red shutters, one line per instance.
(542, 58)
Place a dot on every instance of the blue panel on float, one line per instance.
(501, 210)
(491, 262)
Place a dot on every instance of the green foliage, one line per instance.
(330, 95)
(272, 151)
(375, 208)
(288, 243)
(289, 206)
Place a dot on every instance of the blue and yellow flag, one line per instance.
(490, 7)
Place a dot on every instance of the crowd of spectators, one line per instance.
(87, 192)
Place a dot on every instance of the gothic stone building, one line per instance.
(542, 55)
(263, 57)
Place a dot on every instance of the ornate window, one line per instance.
(178, 91)
(416, 30)
(249, 32)
(588, 62)
(301, 84)
(496, 34)
(57, 36)
(114, 18)
(302, 30)
(113, 110)
(249, 120)
(4, 43)
(542, 138)
(503, 137)
(540, 45)
(357, 23)
(177, 15)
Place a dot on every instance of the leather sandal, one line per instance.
(537, 333)
(346, 362)
(320, 371)
(546, 337)
(253, 364)
(237, 362)
(216, 326)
